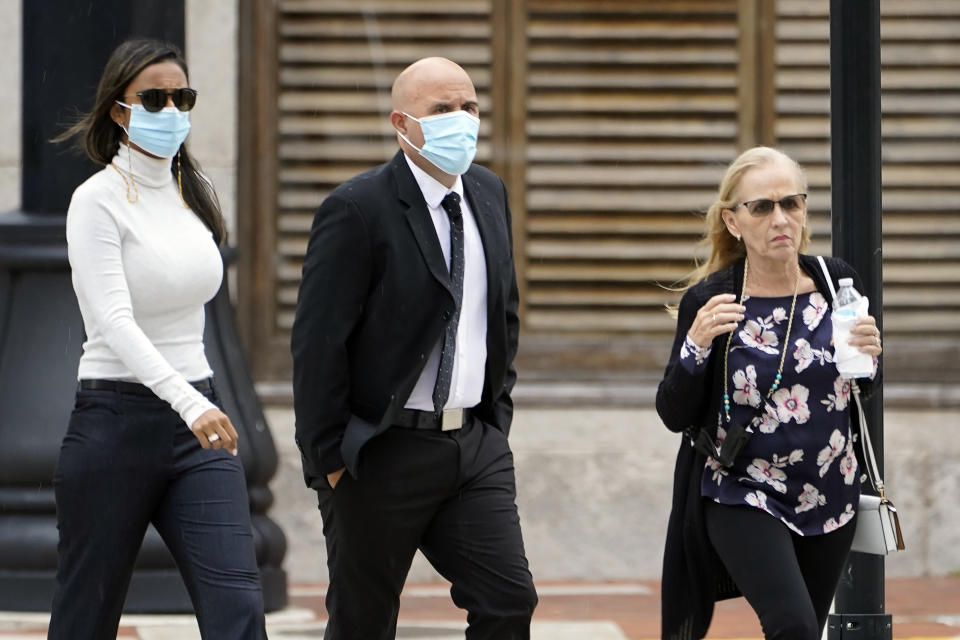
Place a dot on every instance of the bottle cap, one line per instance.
(845, 282)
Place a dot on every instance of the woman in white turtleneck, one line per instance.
(147, 442)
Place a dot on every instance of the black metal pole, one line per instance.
(856, 225)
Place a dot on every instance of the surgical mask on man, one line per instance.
(449, 140)
(158, 132)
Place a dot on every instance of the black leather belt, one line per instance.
(449, 420)
(135, 388)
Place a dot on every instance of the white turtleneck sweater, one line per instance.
(142, 272)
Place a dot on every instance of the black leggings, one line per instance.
(788, 579)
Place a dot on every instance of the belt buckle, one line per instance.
(451, 419)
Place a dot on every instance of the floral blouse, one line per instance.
(799, 465)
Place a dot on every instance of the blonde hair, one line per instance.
(724, 248)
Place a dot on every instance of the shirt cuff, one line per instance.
(693, 357)
(195, 410)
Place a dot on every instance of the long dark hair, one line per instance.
(99, 136)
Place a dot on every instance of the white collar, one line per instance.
(147, 171)
(433, 191)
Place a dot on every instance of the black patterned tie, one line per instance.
(441, 391)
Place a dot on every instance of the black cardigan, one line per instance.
(693, 576)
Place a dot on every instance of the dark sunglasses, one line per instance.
(764, 206)
(154, 100)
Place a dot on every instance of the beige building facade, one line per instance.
(611, 123)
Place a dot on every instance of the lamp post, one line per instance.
(855, 154)
(65, 46)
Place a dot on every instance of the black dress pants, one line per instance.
(453, 496)
(127, 461)
(788, 579)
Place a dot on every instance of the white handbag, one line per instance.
(878, 524)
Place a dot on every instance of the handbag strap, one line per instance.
(873, 471)
(826, 276)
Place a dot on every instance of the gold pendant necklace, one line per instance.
(133, 193)
(128, 179)
(783, 355)
(180, 184)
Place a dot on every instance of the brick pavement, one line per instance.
(921, 608)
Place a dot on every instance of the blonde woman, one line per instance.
(766, 480)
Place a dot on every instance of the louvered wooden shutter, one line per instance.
(920, 82)
(338, 59)
(631, 117)
(612, 122)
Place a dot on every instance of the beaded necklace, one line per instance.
(783, 355)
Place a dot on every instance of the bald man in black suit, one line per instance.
(403, 347)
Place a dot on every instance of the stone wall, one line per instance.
(594, 493)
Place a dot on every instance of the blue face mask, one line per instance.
(158, 132)
(449, 140)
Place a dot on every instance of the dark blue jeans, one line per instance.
(126, 461)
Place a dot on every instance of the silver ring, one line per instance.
(213, 438)
(714, 318)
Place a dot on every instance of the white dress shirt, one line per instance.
(470, 357)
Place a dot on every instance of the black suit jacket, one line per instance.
(375, 299)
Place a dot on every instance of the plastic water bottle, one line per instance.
(849, 305)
